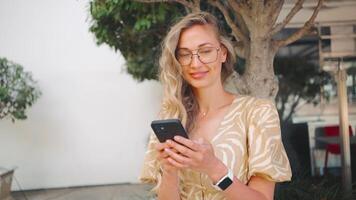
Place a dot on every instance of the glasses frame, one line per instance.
(197, 54)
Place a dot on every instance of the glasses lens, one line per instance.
(184, 57)
(208, 54)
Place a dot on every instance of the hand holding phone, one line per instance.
(167, 129)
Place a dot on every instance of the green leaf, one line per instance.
(18, 90)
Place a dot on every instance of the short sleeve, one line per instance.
(267, 157)
(150, 170)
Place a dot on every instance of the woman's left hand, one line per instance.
(197, 155)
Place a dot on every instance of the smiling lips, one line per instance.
(198, 75)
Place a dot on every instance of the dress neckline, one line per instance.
(224, 118)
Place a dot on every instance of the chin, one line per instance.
(198, 83)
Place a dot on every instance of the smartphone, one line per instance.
(168, 128)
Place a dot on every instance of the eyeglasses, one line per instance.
(206, 55)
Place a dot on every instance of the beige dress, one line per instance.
(248, 141)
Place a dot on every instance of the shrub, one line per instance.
(18, 90)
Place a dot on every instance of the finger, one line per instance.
(177, 157)
(187, 142)
(161, 146)
(181, 149)
(166, 162)
(162, 155)
(158, 146)
(175, 163)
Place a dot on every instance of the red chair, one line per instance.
(331, 131)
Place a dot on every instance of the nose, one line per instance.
(195, 61)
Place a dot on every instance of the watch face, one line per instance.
(225, 183)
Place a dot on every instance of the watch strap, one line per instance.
(225, 181)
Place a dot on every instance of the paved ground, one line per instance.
(109, 192)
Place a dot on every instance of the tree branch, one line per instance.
(235, 30)
(239, 48)
(258, 5)
(291, 14)
(273, 9)
(238, 7)
(185, 3)
(196, 6)
(302, 31)
(283, 100)
(292, 109)
(243, 10)
(151, 1)
(242, 25)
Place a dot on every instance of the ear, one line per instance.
(223, 55)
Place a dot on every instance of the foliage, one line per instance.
(299, 80)
(18, 90)
(136, 29)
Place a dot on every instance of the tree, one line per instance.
(18, 90)
(299, 81)
(137, 27)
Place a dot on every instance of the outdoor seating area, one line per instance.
(325, 142)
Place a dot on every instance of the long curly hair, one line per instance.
(178, 98)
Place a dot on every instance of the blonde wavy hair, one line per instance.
(178, 99)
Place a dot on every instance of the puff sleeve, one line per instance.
(267, 157)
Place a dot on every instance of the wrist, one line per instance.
(170, 173)
(217, 171)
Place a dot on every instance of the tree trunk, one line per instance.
(259, 75)
(258, 79)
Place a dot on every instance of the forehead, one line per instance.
(195, 36)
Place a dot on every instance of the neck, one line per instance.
(212, 98)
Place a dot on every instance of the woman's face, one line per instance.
(203, 69)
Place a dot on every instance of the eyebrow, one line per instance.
(203, 44)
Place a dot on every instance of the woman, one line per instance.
(234, 150)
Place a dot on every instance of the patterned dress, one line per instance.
(248, 141)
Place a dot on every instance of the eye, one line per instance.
(183, 53)
(206, 50)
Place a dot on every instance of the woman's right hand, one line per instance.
(169, 187)
(163, 156)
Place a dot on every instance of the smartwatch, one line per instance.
(225, 181)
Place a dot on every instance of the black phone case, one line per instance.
(167, 129)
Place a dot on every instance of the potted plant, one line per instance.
(18, 91)
(5, 183)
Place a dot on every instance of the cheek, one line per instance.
(185, 75)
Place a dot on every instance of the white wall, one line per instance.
(91, 124)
